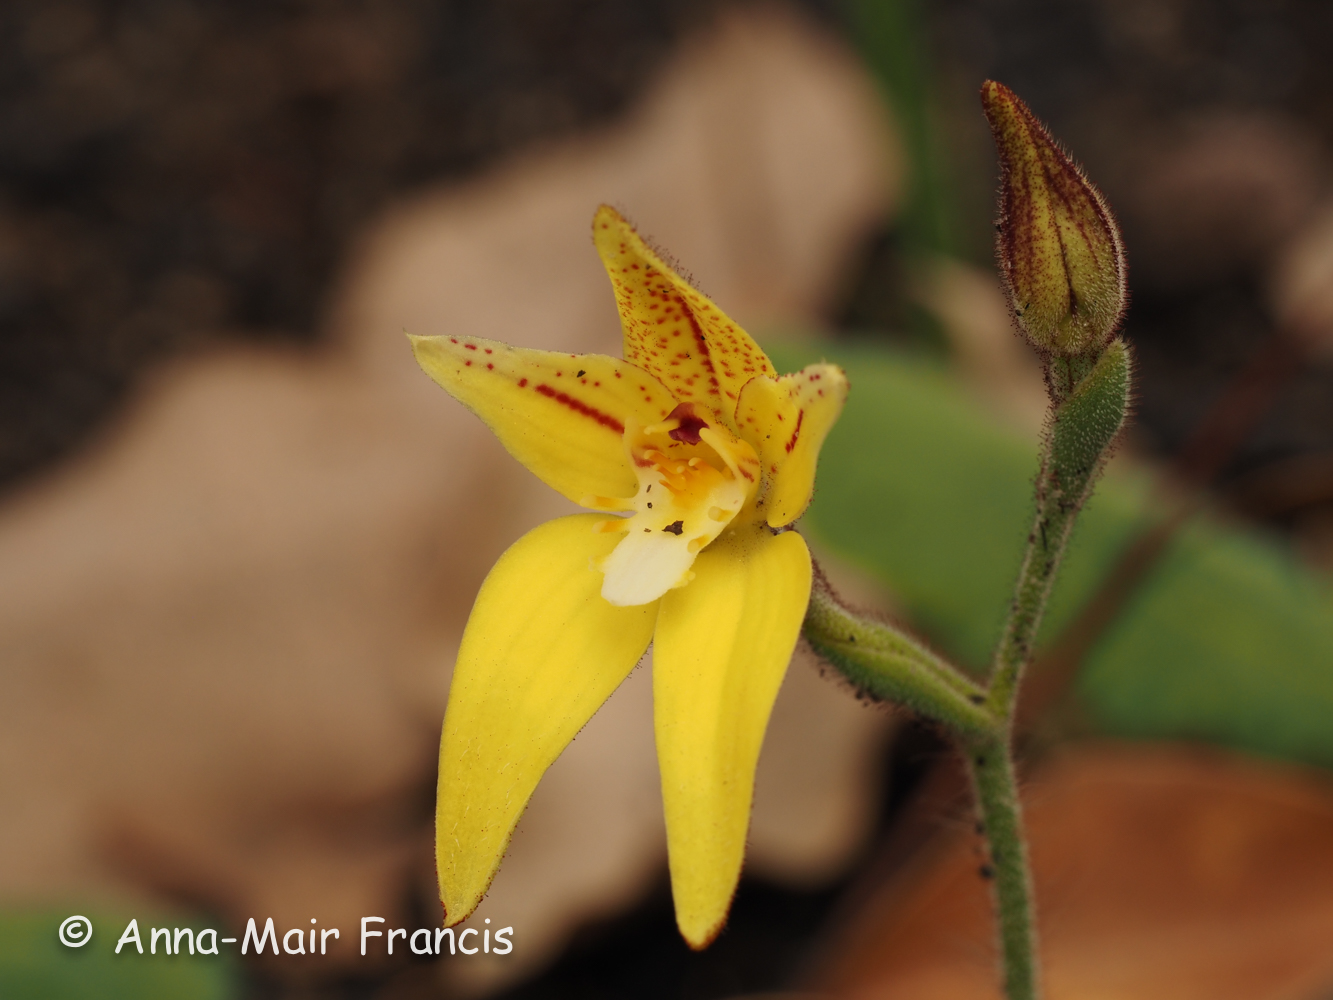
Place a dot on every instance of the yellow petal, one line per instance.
(561, 415)
(722, 647)
(541, 652)
(672, 330)
(786, 420)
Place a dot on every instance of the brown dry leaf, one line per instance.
(1162, 873)
(1216, 192)
(1301, 284)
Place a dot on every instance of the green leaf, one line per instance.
(34, 964)
(1230, 639)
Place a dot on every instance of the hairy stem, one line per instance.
(1090, 397)
(1083, 427)
(992, 769)
(1036, 576)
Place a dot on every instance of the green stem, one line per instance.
(889, 665)
(1083, 426)
(1089, 399)
(992, 769)
(1036, 576)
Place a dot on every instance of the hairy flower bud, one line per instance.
(1058, 245)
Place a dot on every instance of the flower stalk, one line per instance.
(1062, 261)
(991, 766)
(1081, 432)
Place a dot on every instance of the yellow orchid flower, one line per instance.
(711, 454)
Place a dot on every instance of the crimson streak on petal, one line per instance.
(582, 408)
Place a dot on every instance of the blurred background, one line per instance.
(240, 532)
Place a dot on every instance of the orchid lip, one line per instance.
(694, 479)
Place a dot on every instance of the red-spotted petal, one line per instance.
(673, 330)
(561, 415)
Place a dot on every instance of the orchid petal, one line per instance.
(671, 329)
(541, 652)
(721, 650)
(786, 420)
(561, 415)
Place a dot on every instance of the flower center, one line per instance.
(694, 477)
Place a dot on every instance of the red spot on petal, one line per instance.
(489, 367)
(800, 418)
(583, 409)
(522, 382)
(470, 347)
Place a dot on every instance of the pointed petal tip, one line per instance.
(609, 219)
(540, 654)
(455, 914)
(699, 938)
(459, 900)
(722, 647)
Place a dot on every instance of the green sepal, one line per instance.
(1085, 425)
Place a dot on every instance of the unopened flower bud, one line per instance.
(1058, 245)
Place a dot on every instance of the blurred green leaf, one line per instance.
(1229, 638)
(34, 965)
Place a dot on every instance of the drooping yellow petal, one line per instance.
(542, 650)
(561, 415)
(719, 656)
(786, 420)
(671, 329)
